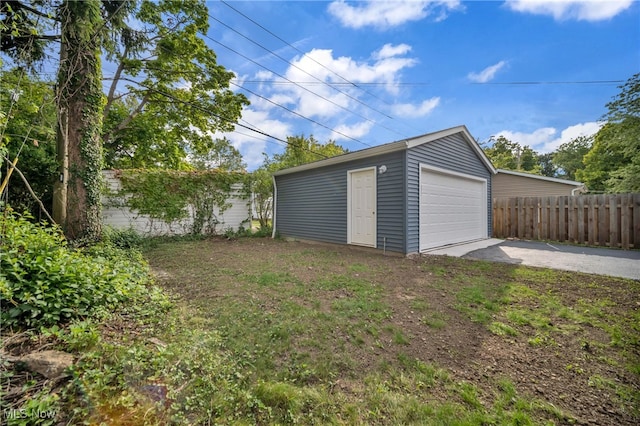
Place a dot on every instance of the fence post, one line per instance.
(498, 215)
(603, 229)
(592, 221)
(571, 218)
(544, 218)
(521, 217)
(562, 223)
(613, 221)
(580, 203)
(513, 218)
(553, 212)
(625, 209)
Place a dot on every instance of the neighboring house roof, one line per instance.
(547, 178)
(395, 146)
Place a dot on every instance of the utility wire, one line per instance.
(253, 129)
(268, 100)
(299, 115)
(506, 83)
(298, 85)
(531, 83)
(322, 82)
(222, 118)
(318, 81)
(303, 53)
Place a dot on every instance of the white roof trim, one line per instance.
(392, 147)
(547, 178)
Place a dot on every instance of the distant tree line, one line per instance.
(607, 162)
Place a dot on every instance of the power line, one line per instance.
(318, 82)
(272, 102)
(302, 87)
(299, 115)
(301, 52)
(298, 85)
(531, 83)
(222, 118)
(322, 82)
(514, 83)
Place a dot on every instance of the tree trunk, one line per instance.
(80, 105)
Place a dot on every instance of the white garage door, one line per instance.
(453, 208)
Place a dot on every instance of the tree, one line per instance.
(613, 163)
(79, 99)
(505, 154)
(299, 150)
(77, 203)
(222, 156)
(168, 95)
(166, 78)
(569, 157)
(29, 133)
(22, 31)
(547, 166)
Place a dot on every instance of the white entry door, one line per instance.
(453, 207)
(361, 205)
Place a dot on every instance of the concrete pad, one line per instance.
(459, 250)
(591, 260)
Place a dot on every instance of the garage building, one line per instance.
(407, 196)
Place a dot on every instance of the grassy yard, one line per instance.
(273, 332)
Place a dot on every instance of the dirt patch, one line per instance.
(569, 359)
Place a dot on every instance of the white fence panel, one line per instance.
(116, 214)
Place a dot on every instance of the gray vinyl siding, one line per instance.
(312, 204)
(506, 185)
(451, 153)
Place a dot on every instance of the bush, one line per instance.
(44, 282)
(122, 238)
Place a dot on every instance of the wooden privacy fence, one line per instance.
(602, 220)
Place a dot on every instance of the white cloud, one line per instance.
(264, 75)
(354, 131)
(580, 10)
(547, 139)
(414, 111)
(389, 51)
(486, 74)
(388, 14)
(322, 101)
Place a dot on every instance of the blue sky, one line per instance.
(371, 72)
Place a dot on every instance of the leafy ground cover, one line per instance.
(285, 332)
(263, 331)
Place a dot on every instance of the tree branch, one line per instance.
(124, 123)
(21, 5)
(114, 85)
(33, 194)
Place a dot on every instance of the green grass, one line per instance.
(481, 298)
(298, 334)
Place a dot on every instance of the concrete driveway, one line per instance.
(602, 261)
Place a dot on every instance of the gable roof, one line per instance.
(539, 177)
(400, 145)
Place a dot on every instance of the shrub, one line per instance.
(44, 282)
(122, 238)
